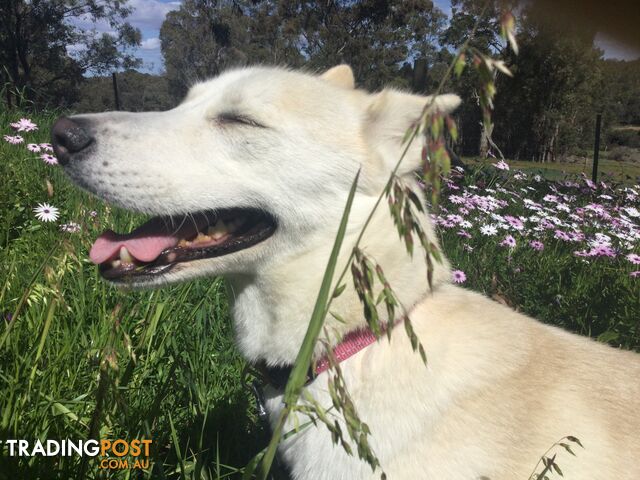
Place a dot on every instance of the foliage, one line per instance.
(127, 364)
(138, 92)
(202, 38)
(36, 38)
(564, 232)
(621, 90)
(546, 111)
(556, 77)
(374, 37)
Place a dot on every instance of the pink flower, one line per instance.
(536, 245)
(13, 140)
(559, 234)
(514, 222)
(464, 234)
(34, 147)
(501, 165)
(635, 274)
(70, 227)
(634, 258)
(508, 241)
(458, 276)
(49, 159)
(24, 125)
(47, 147)
(576, 236)
(602, 251)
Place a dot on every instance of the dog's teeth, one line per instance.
(115, 263)
(125, 256)
(202, 238)
(218, 230)
(182, 243)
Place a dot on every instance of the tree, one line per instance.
(37, 36)
(376, 37)
(547, 108)
(203, 37)
(138, 92)
(476, 21)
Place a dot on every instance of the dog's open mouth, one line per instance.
(162, 242)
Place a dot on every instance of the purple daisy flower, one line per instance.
(458, 276)
(508, 241)
(536, 245)
(49, 159)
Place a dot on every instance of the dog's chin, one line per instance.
(173, 249)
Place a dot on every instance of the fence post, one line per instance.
(116, 94)
(596, 149)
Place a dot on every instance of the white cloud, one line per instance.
(149, 14)
(150, 44)
(615, 49)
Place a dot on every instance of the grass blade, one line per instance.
(301, 366)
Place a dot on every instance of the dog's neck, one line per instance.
(271, 310)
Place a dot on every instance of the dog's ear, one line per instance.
(340, 76)
(390, 114)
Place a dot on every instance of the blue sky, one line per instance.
(148, 16)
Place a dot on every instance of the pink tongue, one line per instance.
(145, 243)
(144, 248)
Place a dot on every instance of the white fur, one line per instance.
(499, 387)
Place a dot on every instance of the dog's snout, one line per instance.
(69, 136)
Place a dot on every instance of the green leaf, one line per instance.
(574, 440)
(250, 468)
(298, 375)
(461, 62)
(567, 448)
(338, 291)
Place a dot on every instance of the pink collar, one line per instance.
(351, 344)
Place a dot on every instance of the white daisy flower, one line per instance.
(46, 213)
(488, 230)
(632, 211)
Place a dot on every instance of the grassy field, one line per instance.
(609, 170)
(80, 359)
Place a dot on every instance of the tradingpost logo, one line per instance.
(112, 454)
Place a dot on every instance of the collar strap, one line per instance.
(351, 344)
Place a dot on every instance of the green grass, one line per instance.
(596, 295)
(82, 359)
(79, 358)
(608, 170)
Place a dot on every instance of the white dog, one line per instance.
(254, 168)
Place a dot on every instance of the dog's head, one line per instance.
(252, 166)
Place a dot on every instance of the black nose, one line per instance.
(68, 137)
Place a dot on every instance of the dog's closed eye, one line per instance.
(230, 118)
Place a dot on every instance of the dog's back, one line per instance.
(498, 391)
